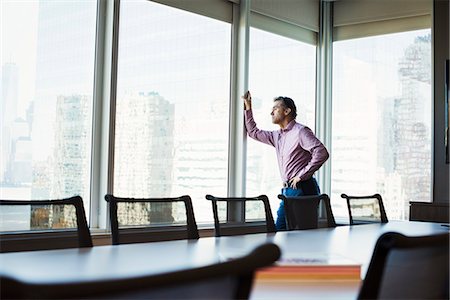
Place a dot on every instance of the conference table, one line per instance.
(131, 260)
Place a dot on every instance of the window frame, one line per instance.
(105, 83)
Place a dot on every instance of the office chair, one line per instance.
(150, 219)
(61, 218)
(230, 279)
(303, 212)
(240, 227)
(405, 267)
(365, 209)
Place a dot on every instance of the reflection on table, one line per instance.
(121, 261)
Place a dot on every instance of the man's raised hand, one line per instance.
(247, 100)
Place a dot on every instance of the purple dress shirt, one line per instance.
(299, 152)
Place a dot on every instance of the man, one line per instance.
(299, 152)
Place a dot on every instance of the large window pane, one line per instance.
(382, 120)
(278, 67)
(47, 63)
(172, 105)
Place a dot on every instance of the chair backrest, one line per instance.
(229, 227)
(408, 268)
(303, 212)
(135, 220)
(365, 209)
(65, 218)
(230, 279)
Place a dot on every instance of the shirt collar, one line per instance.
(289, 126)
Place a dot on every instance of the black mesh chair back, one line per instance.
(63, 221)
(234, 226)
(365, 209)
(136, 220)
(230, 279)
(304, 212)
(408, 268)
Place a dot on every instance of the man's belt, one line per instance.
(300, 184)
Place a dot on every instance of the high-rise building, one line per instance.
(70, 158)
(9, 100)
(144, 132)
(412, 138)
(143, 154)
(64, 68)
(389, 181)
(61, 127)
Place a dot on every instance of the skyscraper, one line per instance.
(143, 154)
(9, 93)
(413, 144)
(70, 156)
(64, 72)
(61, 128)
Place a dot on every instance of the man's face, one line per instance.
(279, 112)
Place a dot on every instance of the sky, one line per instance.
(18, 44)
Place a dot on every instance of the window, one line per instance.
(278, 66)
(382, 120)
(172, 105)
(47, 80)
(173, 93)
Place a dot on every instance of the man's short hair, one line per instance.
(289, 103)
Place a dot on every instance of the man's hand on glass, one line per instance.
(247, 100)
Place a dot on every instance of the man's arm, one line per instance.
(319, 155)
(250, 124)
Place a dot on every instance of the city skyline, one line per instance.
(184, 121)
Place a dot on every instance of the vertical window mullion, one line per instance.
(239, 84)
(324, 88)
(104, 109)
